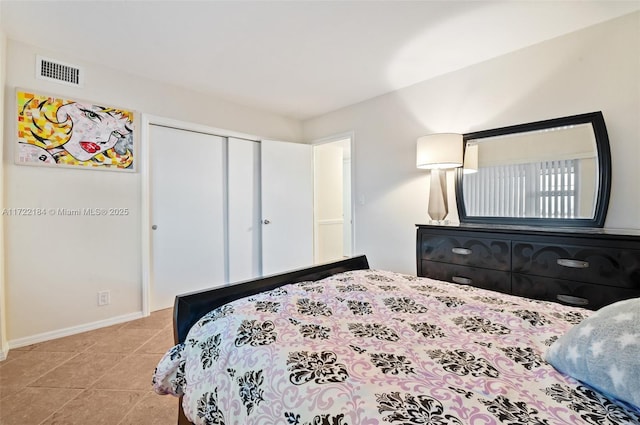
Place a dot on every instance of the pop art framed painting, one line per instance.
(58, 132)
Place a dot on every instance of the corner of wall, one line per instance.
(4, 347)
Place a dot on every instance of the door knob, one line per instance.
(154, 227)
(265, 221)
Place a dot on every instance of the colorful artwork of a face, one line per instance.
(55, 131)
(94, 130)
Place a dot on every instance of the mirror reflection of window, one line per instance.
(542, 189)
(551, 173)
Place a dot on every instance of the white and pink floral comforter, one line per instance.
(372, 347)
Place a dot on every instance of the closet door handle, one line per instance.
(569, 299)
(462, 280)
(266, 221)
(461, 251)
(574, 264)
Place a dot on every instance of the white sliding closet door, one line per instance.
(287, 206)
(187, 183)
(244, 209)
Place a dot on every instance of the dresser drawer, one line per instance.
(600, 265)
(482, 278)
(476, 252)
(569, 292)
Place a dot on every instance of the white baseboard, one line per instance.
(59, 333)
(3, 355)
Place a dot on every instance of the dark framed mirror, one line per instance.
(554, 173)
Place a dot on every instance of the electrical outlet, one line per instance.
(104, 297)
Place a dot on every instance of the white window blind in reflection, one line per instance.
(543, 189)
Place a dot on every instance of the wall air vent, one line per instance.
(59, 72)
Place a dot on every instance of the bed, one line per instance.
(342, 344)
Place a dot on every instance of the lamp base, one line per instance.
(438, 202)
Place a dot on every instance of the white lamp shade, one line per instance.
(443, 150)
(470, 159)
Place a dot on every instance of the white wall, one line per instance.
(3, 319)
(593, 69)
(56, 265)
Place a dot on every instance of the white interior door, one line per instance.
(187, 213)
(287, 206)
(328, 167)
(347, 236)
(333, 216)
(244, 224)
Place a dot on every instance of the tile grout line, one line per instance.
(61, 407)
(160, 331)
(76, 354)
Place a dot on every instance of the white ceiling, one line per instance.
(296, 58)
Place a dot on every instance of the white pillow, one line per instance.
(603, 351)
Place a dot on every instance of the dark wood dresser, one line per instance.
(583, 267)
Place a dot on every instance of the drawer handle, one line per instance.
(462, 280)
(574, 264)
(569, 299)
(461, 251)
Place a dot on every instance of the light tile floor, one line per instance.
(98, 377)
